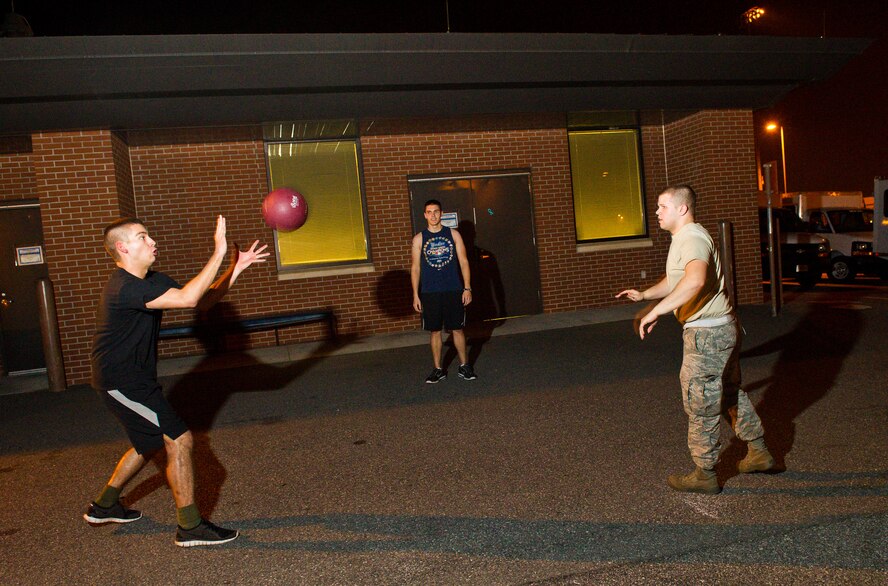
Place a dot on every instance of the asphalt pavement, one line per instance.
(340, 466)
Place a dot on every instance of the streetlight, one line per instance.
(771, 127)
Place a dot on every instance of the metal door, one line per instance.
(22, 264)
(494, 215)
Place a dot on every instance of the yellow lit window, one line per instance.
(327, 174)
(608, 201)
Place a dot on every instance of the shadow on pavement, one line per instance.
(201, 394)
(809, 362)
(828, 539)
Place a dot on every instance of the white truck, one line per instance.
(843, 219)
(880, 217)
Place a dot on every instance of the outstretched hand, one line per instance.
(241, 259)
(632, 294)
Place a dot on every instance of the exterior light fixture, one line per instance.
(753, 14)
(773, 127)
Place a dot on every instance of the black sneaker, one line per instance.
(114, 514)
(204, 534)
(465, 372)
(437, 375)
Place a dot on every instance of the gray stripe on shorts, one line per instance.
(137, 407)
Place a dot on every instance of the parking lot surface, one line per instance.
(345, 468)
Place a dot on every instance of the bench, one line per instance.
(252, 324)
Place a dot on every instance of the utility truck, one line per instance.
(802, 201)
(880, 217)
(844, 220)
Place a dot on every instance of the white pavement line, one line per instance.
(705, 505)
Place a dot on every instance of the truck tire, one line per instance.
(841, 270)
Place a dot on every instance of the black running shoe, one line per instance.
(437, 375)
(465, 372)
(204, 534)
(114, 514)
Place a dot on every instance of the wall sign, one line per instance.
(29, 255)
(450, 219)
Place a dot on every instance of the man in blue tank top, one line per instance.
(439, 294)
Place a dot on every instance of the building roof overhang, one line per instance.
(133, 82)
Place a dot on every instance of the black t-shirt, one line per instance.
(124, 349)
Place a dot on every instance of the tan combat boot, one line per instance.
(700, 480)
(756, 460)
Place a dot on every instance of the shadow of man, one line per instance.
(810, 359)
(394, 295)
(201, 394)
(488, 307)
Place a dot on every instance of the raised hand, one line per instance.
(219, 237)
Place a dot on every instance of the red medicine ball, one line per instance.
(284, 209)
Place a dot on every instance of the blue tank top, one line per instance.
(439, 269)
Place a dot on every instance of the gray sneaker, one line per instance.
(116, 513)
(465, 372)
(204, 534)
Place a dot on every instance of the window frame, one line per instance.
(636, 241)
(326, 268)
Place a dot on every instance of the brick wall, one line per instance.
(16, 177)
(123, 176)
(76, 183)
(714, 151)
(181, 187)
(178, 181)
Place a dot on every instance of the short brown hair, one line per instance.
(683, 194)
(114, 233)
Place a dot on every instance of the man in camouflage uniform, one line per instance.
(694, 290)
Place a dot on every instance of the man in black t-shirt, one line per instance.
(124, 369)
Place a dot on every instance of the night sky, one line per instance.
(706, 17)
(835, 131)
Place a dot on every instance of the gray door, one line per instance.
(494, 215)
(22, 264)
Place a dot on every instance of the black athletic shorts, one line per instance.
(444, 310)
(146, 416)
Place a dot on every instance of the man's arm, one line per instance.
(240, 260)
(415, 252)
(463, 266)
(686, 289)
(190, 294)
(658, 291)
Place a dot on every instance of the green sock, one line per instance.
(109, 496)
(188, 517)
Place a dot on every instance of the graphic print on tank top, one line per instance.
(438, 251)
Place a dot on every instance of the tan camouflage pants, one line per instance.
(710, 384)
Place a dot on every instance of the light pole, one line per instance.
(771, 127)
